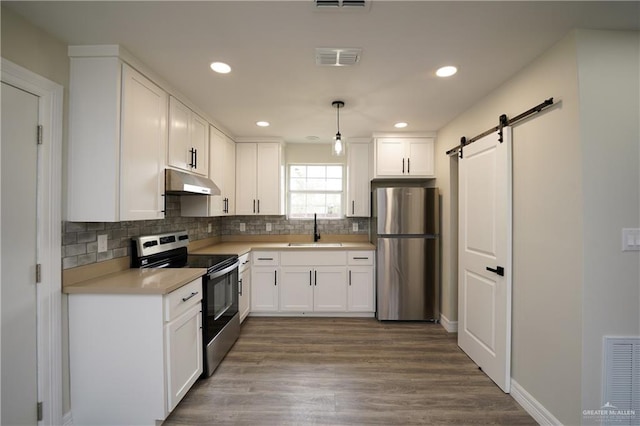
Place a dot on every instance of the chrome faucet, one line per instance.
(316, 234)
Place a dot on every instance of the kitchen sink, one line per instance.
(315, 244)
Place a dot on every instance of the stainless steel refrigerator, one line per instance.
(407, 222)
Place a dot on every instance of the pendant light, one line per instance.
(338, 146)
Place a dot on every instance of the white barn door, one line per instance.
(484, 255)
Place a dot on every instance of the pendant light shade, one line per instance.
(338, 147)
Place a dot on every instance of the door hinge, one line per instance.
(39, 408)
(39, 134)
(38, 273)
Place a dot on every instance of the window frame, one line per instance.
(342, 191)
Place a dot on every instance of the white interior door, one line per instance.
(18, 234)
(484, 276)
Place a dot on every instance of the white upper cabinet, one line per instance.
(259, 179)
(117, 141)
(188, 139)
(404, 157)
(358, 192)
(222, 171)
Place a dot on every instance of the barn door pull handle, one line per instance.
(499, 270)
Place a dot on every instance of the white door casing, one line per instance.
(49, 321)
(485, 228)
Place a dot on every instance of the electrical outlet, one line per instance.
(102, 243)
(630, 239)
(209, 228)
(268, 227)
(355, 226)
(243, 227)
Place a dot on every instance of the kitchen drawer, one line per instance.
(265, 258)
(313, 258)
(179, 301)
(245, 262)
(361, 257)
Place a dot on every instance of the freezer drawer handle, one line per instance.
(499, 270)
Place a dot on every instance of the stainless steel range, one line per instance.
(220, 317)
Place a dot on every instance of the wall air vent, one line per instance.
(342, 4)
(337, 57)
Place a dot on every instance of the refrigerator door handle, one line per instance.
(499, 270)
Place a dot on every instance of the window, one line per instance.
(315, 188)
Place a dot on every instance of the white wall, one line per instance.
(576, 184)
(609, 79)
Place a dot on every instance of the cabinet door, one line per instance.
(268, 183)
(390, 157)
(246, 177)
(199, 143)
(143, 147)
(217, 159)
(330, 289)
(358, 193)
(229, 180)
(296, 289)
(420, 161)
(244, 289)
(179, 139)
(361, 292)
(184, 353)
(264, 289)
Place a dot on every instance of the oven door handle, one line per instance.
(224, 271)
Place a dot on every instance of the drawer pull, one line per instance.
(184, 299)
(265, 258)
(361, 258)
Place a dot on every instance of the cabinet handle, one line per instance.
(353, 206)
(240, 286)
(360, 258)
(258, 206)
(309, 277)
(275, 277)
(349, 277)
(264, 258)
(408, 165)
(192, 152)
(254, 206)
(403, 166)
(184, 299)
(195, 158)
(315, 278)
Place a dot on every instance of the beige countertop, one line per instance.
(137, 281)
(242, 247)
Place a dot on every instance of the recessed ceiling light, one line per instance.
(400, 125)
(447, 71)
(312, 138)
(262, 123)
(220, 67)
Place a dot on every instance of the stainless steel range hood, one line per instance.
(181, 183)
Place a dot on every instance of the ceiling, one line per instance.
(270, 46)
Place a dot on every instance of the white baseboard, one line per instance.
(67, 419)
(532, 406)
(450, 326)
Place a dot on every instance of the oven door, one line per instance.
(220, 301)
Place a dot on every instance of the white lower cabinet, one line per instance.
(264, 281)
(318, 282)
(360, 291)
(244, 286)
(133, 356)
(330, 289)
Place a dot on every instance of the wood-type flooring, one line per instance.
(346, 371)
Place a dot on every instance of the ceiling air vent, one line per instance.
(337, 57)
(342, 4)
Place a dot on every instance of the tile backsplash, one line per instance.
(80, 239)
